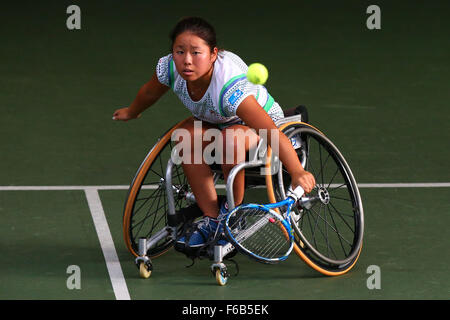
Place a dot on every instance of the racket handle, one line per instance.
(296, 194)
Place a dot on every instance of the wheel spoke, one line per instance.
(146, 216)
(341, 215)
(339, 198)
(333, 227)
(340, 237)
(331, 181)
(150, 211)
(157, 191)
(327, 231)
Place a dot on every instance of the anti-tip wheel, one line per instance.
(220, 278)
(144, 270)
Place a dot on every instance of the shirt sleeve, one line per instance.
(165, 70)
(232, 94)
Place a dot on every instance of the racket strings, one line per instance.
(259, 232)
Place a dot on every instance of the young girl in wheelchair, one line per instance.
(212, 84)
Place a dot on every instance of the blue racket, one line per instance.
(262, 233)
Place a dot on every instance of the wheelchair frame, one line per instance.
(218, 267)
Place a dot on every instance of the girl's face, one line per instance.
(192, 56)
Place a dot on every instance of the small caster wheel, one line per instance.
(221, 278)
(145, 270)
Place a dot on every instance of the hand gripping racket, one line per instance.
(262, 233)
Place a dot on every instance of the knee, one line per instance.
(230, 143)
(236, 142)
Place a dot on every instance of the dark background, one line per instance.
(382, 96)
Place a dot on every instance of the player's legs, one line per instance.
(201, 180)
(237, 140)
(197, 172)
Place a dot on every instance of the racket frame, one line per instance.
(269, 208)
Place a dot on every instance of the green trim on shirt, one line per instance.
(225, 88)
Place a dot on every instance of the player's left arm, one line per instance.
(255, 117)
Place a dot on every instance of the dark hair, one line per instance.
(198, 26)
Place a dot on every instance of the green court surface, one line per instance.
(380, 95)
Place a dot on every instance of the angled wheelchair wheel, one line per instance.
(329, 225)
(146, 207)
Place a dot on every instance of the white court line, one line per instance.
(405, 185)
(106, 242)
(60, 188)
(219, 186)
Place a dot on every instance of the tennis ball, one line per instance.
(257, 73)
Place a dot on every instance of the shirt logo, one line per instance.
(235, 96)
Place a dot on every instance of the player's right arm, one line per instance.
(147, 95)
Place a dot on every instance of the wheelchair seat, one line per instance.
(299, 110)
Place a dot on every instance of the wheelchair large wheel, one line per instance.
(329, 230)
(146, 207)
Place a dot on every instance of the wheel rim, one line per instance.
(150, 209)
(146, 206)
(330, 232)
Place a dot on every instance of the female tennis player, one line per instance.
(212, 84)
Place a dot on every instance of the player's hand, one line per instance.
(124, 114)
(304, 179)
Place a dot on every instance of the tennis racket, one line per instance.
(262, 233)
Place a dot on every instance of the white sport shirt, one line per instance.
(228, 88)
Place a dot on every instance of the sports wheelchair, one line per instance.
(328, 225)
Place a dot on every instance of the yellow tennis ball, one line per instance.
(257, 73)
